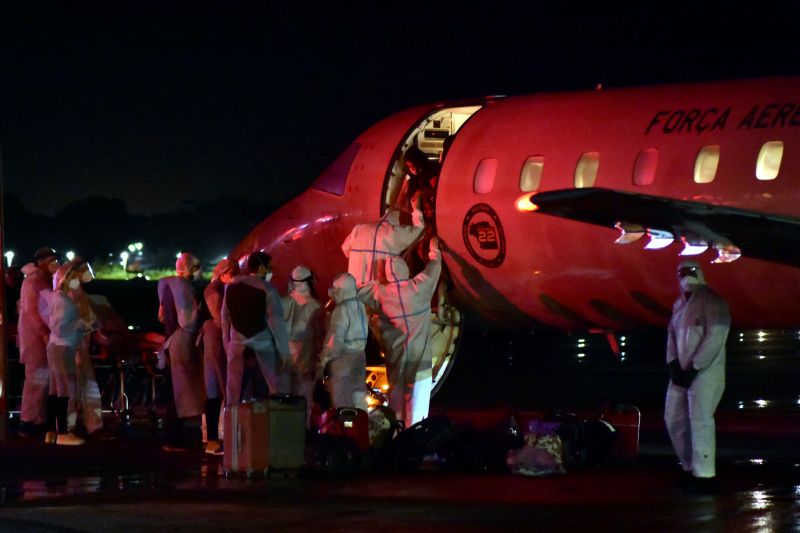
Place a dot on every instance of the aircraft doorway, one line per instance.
(425, 149)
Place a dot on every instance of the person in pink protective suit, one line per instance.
(404, 320)
(32, 337)
(215, 362)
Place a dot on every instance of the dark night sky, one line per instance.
(168, 106)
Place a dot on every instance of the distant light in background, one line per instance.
(761, 336)
(762, 403)
(124, 256)
(70, 255)
(178, 255)
(9, 257)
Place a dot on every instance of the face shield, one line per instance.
(187, 265)
(88, 274)
(69, 274)
(301, 280)
(690, 275)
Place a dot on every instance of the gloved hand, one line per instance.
(687, 377)
(675, 371)
(162, 360)
(433, 248)
(323, 362)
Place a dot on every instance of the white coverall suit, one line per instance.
(303, 315)
(369, 245)
(32, 336)
(698, 331)
(404, 314)
(344, 346)
(271, 344)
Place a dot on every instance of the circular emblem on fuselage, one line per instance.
(483, 235)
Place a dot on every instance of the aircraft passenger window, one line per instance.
(334, 178)
(644, 170)
(705, 166)
(586, 170)
(531, 175)
(484, 176)
(769, 160)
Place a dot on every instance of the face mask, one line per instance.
(688, 283)
(268, 276)
(86, 277)
(52, 267)
(301, 287)
(74, 283)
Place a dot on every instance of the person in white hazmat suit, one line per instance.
(179, 311)
(67, 330)
(215, 362)
(344, 346)
(86, 400)
(696, 340)
(304, 318)
(252, 319)
(404, 315)
(32, 336)
(370, 244)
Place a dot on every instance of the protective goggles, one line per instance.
(687, 271)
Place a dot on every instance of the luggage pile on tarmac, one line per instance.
(268, 437)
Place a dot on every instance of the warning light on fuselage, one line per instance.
(524, 203)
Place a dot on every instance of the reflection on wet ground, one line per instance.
(129, 484)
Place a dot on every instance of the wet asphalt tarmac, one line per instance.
(130, 484)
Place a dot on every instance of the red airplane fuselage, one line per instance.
(524, 268)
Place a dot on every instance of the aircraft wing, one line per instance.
(730, 230)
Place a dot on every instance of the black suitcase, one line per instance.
(424, 438)
(337, 454)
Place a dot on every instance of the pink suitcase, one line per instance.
(245, 445)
